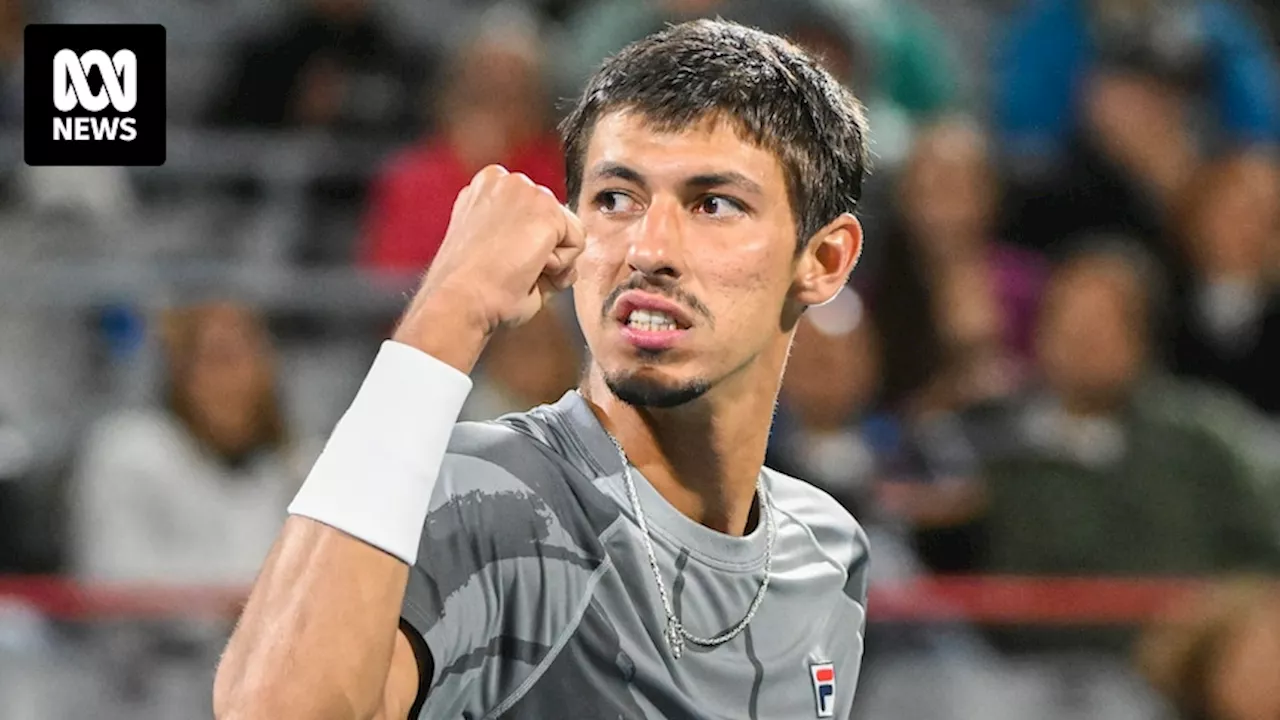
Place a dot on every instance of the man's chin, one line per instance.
(649, 392)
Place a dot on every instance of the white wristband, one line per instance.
(376, 474)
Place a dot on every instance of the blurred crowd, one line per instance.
(1058, 356)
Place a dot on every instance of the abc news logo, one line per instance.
(71, 90)
(95, 95)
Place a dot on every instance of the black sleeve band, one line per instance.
(422, 654)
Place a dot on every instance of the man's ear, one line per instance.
(825, 263)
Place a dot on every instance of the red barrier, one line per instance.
(985, 600)
(67, 599)
(1035, 601)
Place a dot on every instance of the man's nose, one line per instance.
(656, 245)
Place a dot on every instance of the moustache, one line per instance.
(640, 281)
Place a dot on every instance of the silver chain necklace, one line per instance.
(675, 633)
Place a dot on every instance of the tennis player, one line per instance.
(621, 553)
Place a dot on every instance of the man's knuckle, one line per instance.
(492, 172)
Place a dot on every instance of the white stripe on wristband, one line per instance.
(376, 474)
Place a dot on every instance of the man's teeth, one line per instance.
(651, 320)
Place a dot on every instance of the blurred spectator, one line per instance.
(953, 421)
(973, 28)
(958, 303)
(190, 493)
(892, 53)
(331, 64)
(493, 109)
(910, 75)
(17, 465)
(11, 24)
(194, 491)
(558, 11)
(831, 431)
(529, 365)
(826, 430)
(1107, 472)
(914, 63)
(958, 306)
(600, 28)
(1229, 327)
(1219, 658)
(1269, 13)
(1104, 107)
(96, 195)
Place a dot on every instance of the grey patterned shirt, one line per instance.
(535, 598)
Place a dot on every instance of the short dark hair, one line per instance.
(777, 96)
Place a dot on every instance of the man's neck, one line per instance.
(703, 457)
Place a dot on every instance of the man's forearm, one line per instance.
(317, 635)
(318, 638)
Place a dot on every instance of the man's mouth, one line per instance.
(651, 320)
(647, 312)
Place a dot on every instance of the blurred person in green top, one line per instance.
(1114, 466)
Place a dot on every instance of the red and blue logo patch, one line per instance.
(824, 688)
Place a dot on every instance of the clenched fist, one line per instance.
(509, 247)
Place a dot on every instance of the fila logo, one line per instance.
(824, 688)
(119, 80)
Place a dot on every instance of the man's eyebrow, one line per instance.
(607, 170)
(730, 178)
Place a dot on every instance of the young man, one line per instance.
(622, 553)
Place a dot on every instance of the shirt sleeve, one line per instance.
(453, 599)
(859, 571)
(856, 588)
(493, 586)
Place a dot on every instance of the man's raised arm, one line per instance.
(319, 635)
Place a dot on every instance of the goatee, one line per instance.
(647, 393)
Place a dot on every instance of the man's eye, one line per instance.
(612, 201)
(719, 206)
